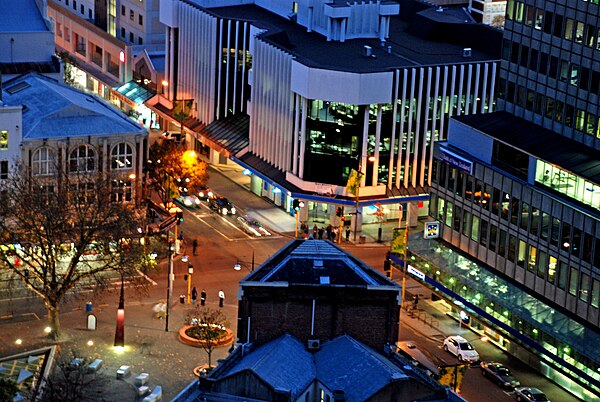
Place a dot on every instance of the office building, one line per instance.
(301, 94)
(517, 197)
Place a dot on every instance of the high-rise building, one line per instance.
(517, 192)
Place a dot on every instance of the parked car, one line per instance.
(252, 226)
(204, 193)
(169, 136)
(188, 200)
(528, 394)
(500, 374)
(424, 359)
(222, 206)
(461, 348)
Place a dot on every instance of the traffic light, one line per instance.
(297, 204)
(339, 211)
(179, 216)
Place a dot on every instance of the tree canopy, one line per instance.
(66, 230)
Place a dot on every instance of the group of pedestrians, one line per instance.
(329, 232)
(203, 297)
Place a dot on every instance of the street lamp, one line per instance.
(296, 205)
(360, 175)
(188, 277)
(170, 279)
(238, 265)
(120, 330)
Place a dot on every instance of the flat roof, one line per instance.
(538, 141)
(21, 16)
(312, 49)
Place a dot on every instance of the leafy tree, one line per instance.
(66, 231)
(8, 389)
(208, 327)
(68, 64)
(172, 170)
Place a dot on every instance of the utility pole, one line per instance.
(170, 279)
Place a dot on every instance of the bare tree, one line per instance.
(71, 381)
(208, 327)
(67, 231)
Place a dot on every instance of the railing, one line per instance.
(422, 315)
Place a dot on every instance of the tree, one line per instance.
(68, 64)
(66, 231)
(173, 170)
(8, 389)
(208, 327)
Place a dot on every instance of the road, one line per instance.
(222, 244)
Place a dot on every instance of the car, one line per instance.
(500, 374)
(169, 136)
(461, 348)
(188, 200)
(252, 226)
(204, 193)
(221, 205)
(528, 394)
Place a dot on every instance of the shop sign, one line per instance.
(416, 272)
(456, 161)
(432, 230)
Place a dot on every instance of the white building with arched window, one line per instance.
(48, 126)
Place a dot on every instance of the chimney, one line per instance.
(339, 395)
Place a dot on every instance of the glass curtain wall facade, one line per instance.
(530, 237)
(549, 72)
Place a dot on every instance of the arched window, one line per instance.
(82, 160)
(121, 157)
(43, 162)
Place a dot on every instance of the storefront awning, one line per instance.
(134, 92)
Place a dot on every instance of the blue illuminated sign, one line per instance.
(456, 161)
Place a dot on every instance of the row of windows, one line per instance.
(549, 107)
(545, 265)
(132, 15)
(551, 66)
(82, 159)
(554, 24)
(131, 36)
(81, 8)
(564, 237)
(121, 191)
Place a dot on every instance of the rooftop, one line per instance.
(55, 110)
(539, 142)
(317, 262)
(407, 50)
(21, 16)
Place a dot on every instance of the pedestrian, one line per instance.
(328, 230)
(347, 235)
(315, 231)
(415, 301)
(203, 297)
(321, 230)
(194, 295)
(194, 246)
(181, 236)
(333, 234)
(221, 297)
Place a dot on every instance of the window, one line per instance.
(3, 139)
(122, 32)
(141, 19)
(90, 16)
(131, 15)
(122, 10)
(67, 35)
(563, 272)
(573, 281)
(521, 253)
(82, 8)
(43, 162)
(121, 157)
(82, 160)
(595, 293)
(532, 259)
(449, 208)
(584, 288)
(483, 238)
(3, 169)
(140, 41)
(475, 228)
(74, 5)
(59, 29)
(568, 34)
(512, 245)
(121, 191)
(552, 265)
(82, 193)
(131, 37)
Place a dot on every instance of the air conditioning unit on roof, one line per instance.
(314, 344)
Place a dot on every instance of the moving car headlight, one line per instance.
(232, 211)
(224, 211)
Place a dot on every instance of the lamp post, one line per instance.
(238, 265)
(120, 330)
(170, 279)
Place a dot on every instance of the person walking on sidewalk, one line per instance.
(221, 297)
(194, 295)
(194, 246)
(415, 301)
(203, 297)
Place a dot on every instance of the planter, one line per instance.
(184, 338)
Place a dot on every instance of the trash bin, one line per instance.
(182, 299)
(88, 307)
(362, 239)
